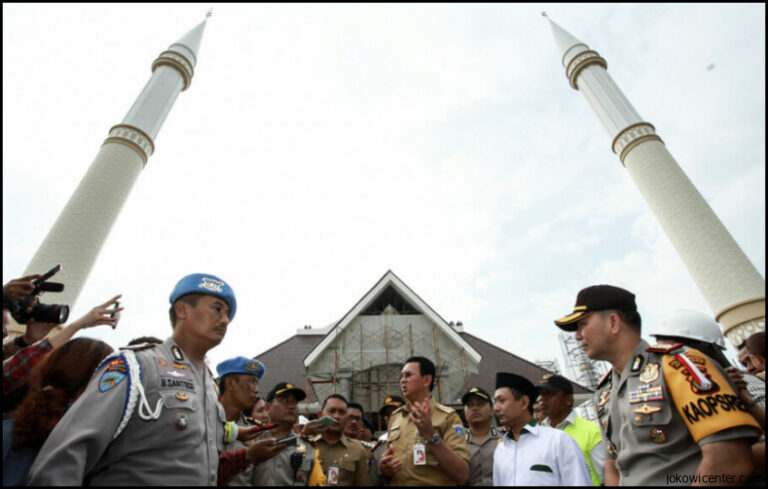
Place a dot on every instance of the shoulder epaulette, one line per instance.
(663, 347)
(444, 409)
(139, 347)
(605, 377)
(397, 411)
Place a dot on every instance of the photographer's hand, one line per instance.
(18, 288)
(101, 314)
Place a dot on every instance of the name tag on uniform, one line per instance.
(419, 454)
(333, 475)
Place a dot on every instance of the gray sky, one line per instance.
(319, 146)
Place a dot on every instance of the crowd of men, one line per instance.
(152, 413)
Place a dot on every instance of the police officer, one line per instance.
(293, 464)
(150, 415)
(239, 389)
(426, 443)
(482, 437)
(669, 415)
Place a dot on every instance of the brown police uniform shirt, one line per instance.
(654, 416)
(403, 435)
(349, 457)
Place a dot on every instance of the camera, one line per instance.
(41, 313)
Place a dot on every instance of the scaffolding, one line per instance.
(550, 365)
(364, 360)
(582, 370)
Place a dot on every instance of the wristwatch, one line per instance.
(435, 439)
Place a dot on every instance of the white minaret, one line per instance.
(82, 227)
(729, 282)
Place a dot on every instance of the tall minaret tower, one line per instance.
(82, 227)
(729, 282)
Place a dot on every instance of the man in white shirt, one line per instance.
(532, 455)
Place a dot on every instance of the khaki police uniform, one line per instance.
(481, 458)
(403, 435)
(656, 414)
(278, 471)
(349, 457)
(173, 436)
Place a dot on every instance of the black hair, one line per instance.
(335, 396)
(356, 405)
(630, 318)
(426, 367)
(223, 381)
(190, 299)
(519, 395)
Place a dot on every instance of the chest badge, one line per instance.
(604, 396)
(646, 393)
(176, 351)
(181, 421)
(647, 409)
(181, 396)
(650, 373)
(658, 436)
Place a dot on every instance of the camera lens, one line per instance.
(50, 313)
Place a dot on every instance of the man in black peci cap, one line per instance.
(661, 408)
(556, 398)
(482, 436)
(530, 454)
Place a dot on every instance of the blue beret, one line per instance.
(240, 365)
(367, 422)
(204, 283)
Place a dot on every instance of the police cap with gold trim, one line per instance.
(597, 298)
(284, 388)
(478, 392)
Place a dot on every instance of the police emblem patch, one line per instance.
(211, 284)
(109, 379)
(113, 375)
(180, 421)
(459, 429)
(252, 365)
(649, 373)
